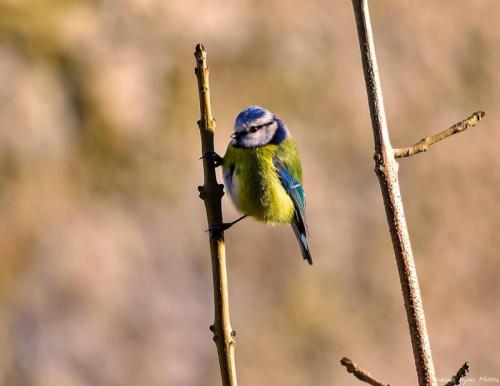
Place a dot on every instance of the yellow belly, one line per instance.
(255, 187)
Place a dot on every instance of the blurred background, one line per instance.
(105, 275)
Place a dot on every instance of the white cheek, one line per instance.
(260, 137)
(270, 130)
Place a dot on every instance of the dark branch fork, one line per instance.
(386, 169)
(462, 372)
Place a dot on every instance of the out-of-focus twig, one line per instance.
(425, 143)
(386, 169)
(462, 372)
(211, 193)
(360, 373)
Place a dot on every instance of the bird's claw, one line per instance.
(219, 227)
(213, 157)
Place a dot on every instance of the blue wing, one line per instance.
(296, 193)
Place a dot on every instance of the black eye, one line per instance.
(253, 129)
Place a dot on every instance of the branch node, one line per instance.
(380, 166)
(211, 191)
(202, 194)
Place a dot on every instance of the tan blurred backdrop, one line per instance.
(104, 268)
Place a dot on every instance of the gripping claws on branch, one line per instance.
(213, 157)
(219, 228)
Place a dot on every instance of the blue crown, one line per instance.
(250, 114)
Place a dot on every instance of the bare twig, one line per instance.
(360, 373)
(386, 169)
(425, 143)
(211, 193)
(462, 372)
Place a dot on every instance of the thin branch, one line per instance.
(425, 143)
(360, 373)
(386, 169)
(211, 193)
(462, 372)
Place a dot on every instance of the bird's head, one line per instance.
(256, 126)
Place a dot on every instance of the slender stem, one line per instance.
(211, 192)
(386, 169)
(360, 373)
(425, 143)
(462, 372)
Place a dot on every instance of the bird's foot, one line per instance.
(213, 157)
(218, 228)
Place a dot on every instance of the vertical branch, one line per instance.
(386, 169)
(211, 193)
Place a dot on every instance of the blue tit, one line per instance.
(263, 174)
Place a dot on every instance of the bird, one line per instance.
(263, 174)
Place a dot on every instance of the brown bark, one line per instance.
(211, 193)
(386, 169)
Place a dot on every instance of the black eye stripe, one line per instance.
(250, 130)
(253, 129)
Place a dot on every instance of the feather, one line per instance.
(254, 186)
(296, 193)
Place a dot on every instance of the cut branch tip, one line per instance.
(360, 373)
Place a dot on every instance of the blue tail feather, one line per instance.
(300, 233)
